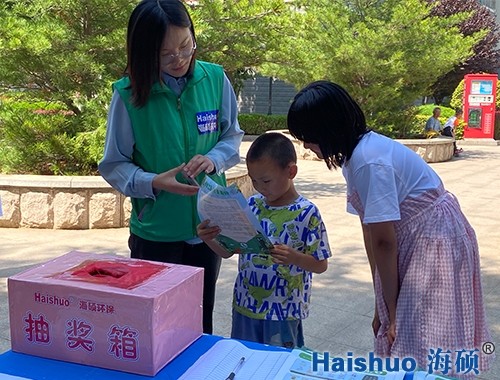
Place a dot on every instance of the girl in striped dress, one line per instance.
(422, 251)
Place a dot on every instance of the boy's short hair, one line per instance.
(275, 146)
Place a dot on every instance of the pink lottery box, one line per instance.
(106, 311)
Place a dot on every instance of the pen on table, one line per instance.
(238, 366)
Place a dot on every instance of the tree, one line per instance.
(62, 53)
(486, 57)
(62, 50)
(61, 57)
(240, 34)
(385, 53)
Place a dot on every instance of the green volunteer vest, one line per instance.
(168, 131)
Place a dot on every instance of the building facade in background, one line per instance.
(492, 5)
(265, 95)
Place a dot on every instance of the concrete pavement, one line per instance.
(342, 300)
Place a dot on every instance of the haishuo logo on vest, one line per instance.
(207, 121)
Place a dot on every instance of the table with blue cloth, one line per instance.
(37, 368)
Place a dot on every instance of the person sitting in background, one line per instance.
(433, 125)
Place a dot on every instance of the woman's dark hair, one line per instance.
(146, 31)
(275, 146)
(324, 113)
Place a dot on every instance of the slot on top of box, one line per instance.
(119, 273)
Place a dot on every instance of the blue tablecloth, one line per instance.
(36, 368)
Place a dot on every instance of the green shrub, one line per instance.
(407, 124)
(257, 124)
(402, 125)
(45, 138)
(426, 111)
(457, 97)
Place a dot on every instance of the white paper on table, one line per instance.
(218, 362)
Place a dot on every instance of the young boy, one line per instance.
(272, 292)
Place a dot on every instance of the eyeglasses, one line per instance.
(184, 53)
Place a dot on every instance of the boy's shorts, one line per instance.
(277, 333)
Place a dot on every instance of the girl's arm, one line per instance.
(373, 266)
(368, 247)
(380, 238)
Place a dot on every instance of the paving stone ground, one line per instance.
(342, 297)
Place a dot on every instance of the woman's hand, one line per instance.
(167, 181)
(206, 233)
(197, 164)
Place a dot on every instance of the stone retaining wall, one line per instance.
(438, 149)
(54, 202)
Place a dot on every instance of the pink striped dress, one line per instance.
(440, 303)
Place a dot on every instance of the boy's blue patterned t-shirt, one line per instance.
(264, 290)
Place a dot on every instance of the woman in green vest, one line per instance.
(170, 113)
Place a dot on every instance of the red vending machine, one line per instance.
(479, 105)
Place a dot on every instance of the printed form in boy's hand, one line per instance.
(227, 208)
